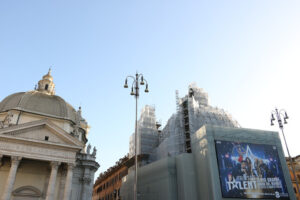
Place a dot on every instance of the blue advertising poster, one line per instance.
(250, 171)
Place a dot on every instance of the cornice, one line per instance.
(38, 113)
(39, 143)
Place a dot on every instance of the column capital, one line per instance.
(15, 160)
(54, 164)
(70, 166)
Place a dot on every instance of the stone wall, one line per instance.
(83, 177)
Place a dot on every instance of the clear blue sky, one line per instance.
(244, 53)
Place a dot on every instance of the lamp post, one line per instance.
(279, 114)
(135, 87)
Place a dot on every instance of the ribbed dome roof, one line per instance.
(39, 103)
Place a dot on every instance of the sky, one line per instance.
(245, 54)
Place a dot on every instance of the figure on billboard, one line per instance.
(250, 171)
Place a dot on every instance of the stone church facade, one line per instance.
(43, 152)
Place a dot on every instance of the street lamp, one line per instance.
(279, 114)
(137, 81)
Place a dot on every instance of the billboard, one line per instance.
(250, 171)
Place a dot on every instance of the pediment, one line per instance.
(43, 131)
(27, 191)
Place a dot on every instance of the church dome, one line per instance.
(41, 101)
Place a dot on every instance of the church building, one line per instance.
(43, 151)
(203, 153)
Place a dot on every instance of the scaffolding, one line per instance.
(192, 112)
(147, 132)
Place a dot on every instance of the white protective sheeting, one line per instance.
(172, 139)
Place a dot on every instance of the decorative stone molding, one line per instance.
(65, 167)
(15, 160)
(27, 191)
(37, 151)
(42, 123)
(22, 125)
(7, 120)
(55, 164)
(85, 180)
(70, 166)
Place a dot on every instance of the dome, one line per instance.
(39, 103)
(42, 101)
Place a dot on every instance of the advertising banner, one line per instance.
(250, 171)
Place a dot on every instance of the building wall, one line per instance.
(195, 176)
(24, 117)
(31, 173)
(83, 177)
(42, 130)
(108, 188)
(157, 182)
(36, 174)
(27, 117)
(171, 178)
(296, 164)
(4, 169)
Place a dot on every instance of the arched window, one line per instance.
(46, 87)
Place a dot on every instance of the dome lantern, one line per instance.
(46, 85)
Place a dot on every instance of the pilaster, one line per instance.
(15, 161)
(68, 185)
(52, 180)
